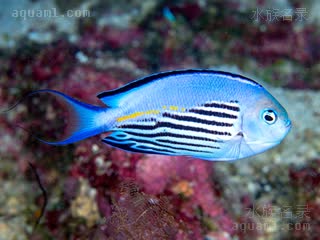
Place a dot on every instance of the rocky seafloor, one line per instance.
(93, 191)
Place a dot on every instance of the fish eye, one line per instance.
(269, 116)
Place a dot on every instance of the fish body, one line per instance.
(205, 114)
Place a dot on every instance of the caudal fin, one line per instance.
(83, 120)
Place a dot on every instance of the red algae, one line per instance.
(141, 216)
(190, 11)
(108, 37)
(95, 82)
(306, 181)
(308, 176)
(157, 174)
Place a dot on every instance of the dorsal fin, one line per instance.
(112, 98)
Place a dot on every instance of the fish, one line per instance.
(200, 113)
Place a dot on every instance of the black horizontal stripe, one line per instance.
(142, 81)
(156, 150)
(168, 134)
(121, 135)
(174, 126)
(215, 114)
(138, 126)
(155, 144)
(187, 144)
(131, 148)
(112, 138)
(222, 106)
(197, 120)
(147, 120)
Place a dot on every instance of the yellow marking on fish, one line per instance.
(174, 108)
(137, 114)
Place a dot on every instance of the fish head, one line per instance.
(265, 123)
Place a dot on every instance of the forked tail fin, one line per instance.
(83, 120)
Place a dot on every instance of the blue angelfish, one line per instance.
(205, 114)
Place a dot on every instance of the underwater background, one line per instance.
(90, 190)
